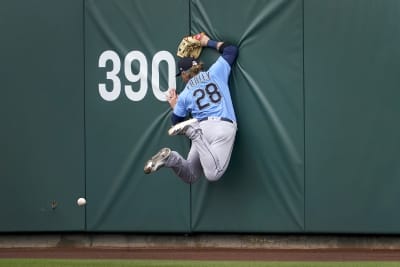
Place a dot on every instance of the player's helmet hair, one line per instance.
(189, 65)
(195, 69)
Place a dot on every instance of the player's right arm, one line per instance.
(177, 105)
(176, 119)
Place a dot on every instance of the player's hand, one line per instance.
(172, 97)
(204, 39)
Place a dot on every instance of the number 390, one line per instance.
(141, 77)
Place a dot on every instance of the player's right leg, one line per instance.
(180, 128)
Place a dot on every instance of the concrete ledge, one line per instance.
(198, 241)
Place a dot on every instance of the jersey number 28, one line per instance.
(204, 96)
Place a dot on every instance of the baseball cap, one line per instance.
(185, 63)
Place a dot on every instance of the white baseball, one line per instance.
(81, 201)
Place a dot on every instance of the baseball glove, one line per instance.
(190, 46)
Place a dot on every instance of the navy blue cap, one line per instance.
(185, 63)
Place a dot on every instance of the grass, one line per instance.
(180, 263)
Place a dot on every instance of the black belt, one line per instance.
(216, 119)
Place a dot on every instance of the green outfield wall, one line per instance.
(42, 115)
(316, 92)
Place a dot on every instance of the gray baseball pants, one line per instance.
(210, 152)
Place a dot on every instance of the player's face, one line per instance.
(185, 76)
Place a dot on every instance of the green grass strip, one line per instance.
(180, 263)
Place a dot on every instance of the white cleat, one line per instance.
(180, 128)
(157, 161)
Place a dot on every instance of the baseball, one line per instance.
(81, 201)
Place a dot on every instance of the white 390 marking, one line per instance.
(141, 77)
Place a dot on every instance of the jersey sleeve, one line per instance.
(229, 52)
(221, 69)
(180, 107)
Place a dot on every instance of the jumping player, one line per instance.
(212, 129)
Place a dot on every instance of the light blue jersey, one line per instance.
(207, 94)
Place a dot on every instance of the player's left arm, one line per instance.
(229, 51)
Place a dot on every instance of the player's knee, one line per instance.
(213, 177)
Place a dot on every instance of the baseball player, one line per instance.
(212, 128)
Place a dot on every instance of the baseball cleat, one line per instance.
(157, 161)
(180, 128)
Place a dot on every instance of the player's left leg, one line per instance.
(157, 161)
(189, 170)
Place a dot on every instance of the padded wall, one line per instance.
(122, 133)
(263, 189)
(352, 113)
(315, 89)
(42, 132)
